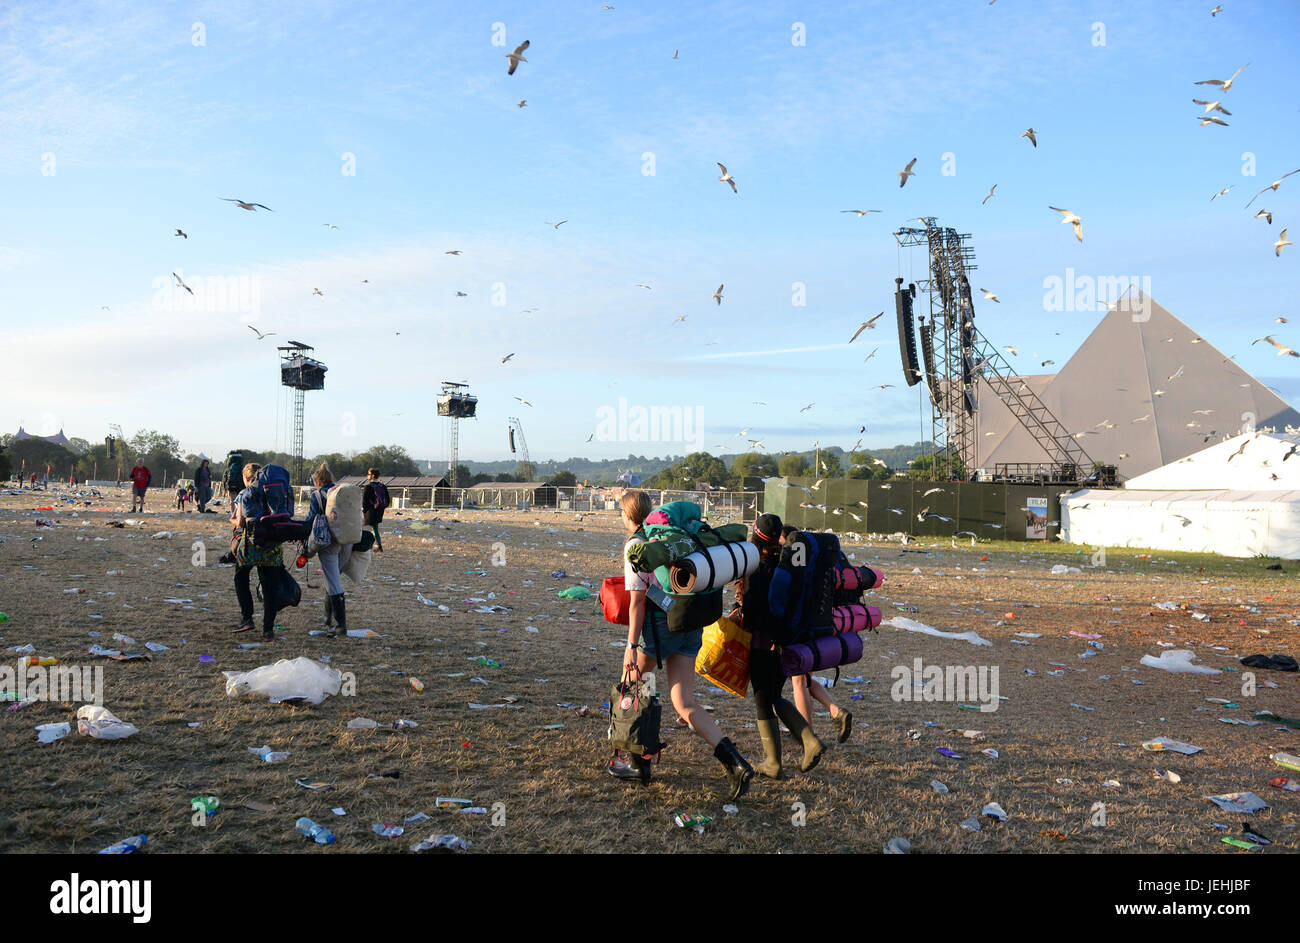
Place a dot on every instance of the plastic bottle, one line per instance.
(362, 723)
(126, 846)
(309, 829)
(417, 684)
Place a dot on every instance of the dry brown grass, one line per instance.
(80, 794)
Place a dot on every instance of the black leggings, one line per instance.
(767, 680)
(245, 596)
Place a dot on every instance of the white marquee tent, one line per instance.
(1240, 498)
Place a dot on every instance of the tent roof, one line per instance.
(1253, 461)
(1127, 496)
(511, 485)
(1128, 369)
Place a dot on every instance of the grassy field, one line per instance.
(548, 787)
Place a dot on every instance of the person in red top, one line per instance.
(140, 478)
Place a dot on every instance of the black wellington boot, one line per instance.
(340, 614)
(738, 771)
(329, 612)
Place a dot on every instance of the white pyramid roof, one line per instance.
(1254, 461)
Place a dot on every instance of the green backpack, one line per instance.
(634, 719)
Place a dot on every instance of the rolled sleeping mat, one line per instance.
(854, 618)
(713, 568)
(829, 651)
(855, 578)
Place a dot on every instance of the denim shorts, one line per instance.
(670, 643)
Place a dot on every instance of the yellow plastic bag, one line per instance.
(724, 656)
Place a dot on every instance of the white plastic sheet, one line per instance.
(911, 625)
(299, 679)
(1178, 661)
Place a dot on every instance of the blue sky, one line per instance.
(144, 131)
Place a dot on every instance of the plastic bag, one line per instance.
(100, 723)
(1178, 661)
(299, 679)
(724, 656)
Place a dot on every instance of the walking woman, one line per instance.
(247, 508)
(805, 690)
(374, 501)
(649, 642)
(765, 674)
(333, 555)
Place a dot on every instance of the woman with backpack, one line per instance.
(765, 673)
(374, 501)
(333, 554)
(649, 642)
(246, 509)
(805, 691)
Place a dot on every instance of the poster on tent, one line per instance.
(1036, 519)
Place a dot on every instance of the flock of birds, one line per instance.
(1210, 116)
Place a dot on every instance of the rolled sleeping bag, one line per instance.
(855, 578)
(358, 565)
(854, 618)
(829, 651)
(343, 512)
(713, 568)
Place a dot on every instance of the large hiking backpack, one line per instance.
(343, 513)
(802, 592)
(234, 472)
(277, 492)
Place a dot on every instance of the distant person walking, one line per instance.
(374, 501)
(203, 486)
(247, 507)
(140, 479)
(333, 555)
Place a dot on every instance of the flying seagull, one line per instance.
(906, 172)
(1014, 351)
(556, 225)
(717, 295)
(861, 213)
(524, 401)
(506, 358)
(516, 57)
(1266, 214)
(808, 407)
(1210, 106)
(462, 294)
(1282, 350)
(191, 290)
(1272, 186)
(870, 355)
(1073, 220)
(317, 291)
(990, 196)
(726, 177)
(868, 324)
(329, 225)
(675, 51)
(1282, 241)
(989, 295)
(1217, 10)
(1032, 138)
(181, 234)
(452, 252)
(259, 334)
(1210, 119)
(1219, 194)
(1228, 84)
(247, 206)
(522, 103)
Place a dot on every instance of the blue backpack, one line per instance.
(277, 492)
